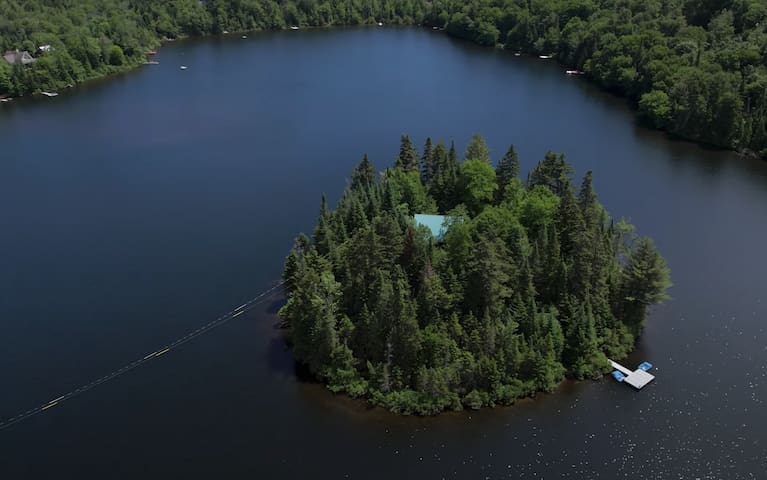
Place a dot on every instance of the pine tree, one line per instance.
(302, 244)
(407, 159)
(490, 277)
(363, 341)
(581, 355)
(570, 224)
(433, 298)
(553, 172)
(451, 186)
(324, 342)
(383, 313)
(587, 198)
(427, 163)
(441, 184)
(311, 313)
(356, 218)
(322, 237)
(643, 282)
(477, 149)
(405, 334)
(291, 271)
(506, 171)
(364, 175)
(592, 264)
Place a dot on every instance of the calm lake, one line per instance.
(137, 209)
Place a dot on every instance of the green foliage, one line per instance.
(477, 149)
(116, 56)
(655, 108)
(506, 171)
(693, 67)
(518, 294)
(408, 187)
(477, 183)
(644, 282)
(553, 173)
(93, 38)
(364, 175)
(539, 208)
(407, 159)
(444, 185)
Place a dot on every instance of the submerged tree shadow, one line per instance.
(281, 361)
(275, 306)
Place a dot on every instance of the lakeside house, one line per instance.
(18, 58)
(435, 223)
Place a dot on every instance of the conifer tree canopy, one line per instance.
(524, 288)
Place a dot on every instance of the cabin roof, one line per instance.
(18, 58)
(435, 223)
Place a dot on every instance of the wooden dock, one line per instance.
(637, 378)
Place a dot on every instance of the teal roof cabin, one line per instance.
(435, 223)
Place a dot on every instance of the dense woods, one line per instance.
(531, 282)
(92, 38)
(695, 68)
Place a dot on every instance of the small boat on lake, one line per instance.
(151, 62)
(517, 54)
(546, 57)
(244, 36)
(574, 72)
(184, 67)
(380, 24)
(294, 27)
(50, 94)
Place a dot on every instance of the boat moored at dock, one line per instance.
(638, 378)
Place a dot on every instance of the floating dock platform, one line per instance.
(637, 378)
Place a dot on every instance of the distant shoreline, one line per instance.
(165, 40)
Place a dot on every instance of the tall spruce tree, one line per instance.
(477, 149)
(570, 224)
(407, 159)
(553, 172)
(444, 185)
(427, 162)
(323, 234)
(506, 171)
(582, 356)
(643, 283)
(364, 175)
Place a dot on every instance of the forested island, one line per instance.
(521, 284)
(695, 68)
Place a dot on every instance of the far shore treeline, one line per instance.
(695, 68)
(532, 281)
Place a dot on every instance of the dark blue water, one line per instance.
(137, 209)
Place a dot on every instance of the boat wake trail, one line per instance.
(261, 297)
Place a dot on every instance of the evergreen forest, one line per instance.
(532, 281)
(695, 68)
